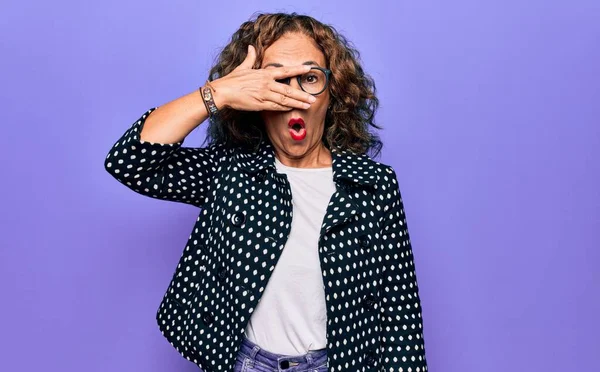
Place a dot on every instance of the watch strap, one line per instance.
(208, 99)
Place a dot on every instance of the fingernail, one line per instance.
(312, 98)
(306, 105)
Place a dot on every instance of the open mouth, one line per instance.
(297, 129)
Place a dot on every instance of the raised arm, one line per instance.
(149, 157)
(163, 169)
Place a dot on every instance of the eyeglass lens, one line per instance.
(312, 82)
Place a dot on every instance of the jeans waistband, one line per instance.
(282, 362)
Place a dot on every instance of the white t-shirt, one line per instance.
(291, 317)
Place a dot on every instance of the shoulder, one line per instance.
(214, 151)
(387, 186)
(386, 175)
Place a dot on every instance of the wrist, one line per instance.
(219, 94)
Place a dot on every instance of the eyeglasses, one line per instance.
(313, 82)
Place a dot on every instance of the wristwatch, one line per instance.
(208, 100)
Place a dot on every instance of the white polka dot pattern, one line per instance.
(402, 341)
(164, 171)
(373, 306)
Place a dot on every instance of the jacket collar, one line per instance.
(357, 168)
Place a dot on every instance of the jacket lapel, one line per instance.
(352, 173)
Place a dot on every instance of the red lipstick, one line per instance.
(297, 129)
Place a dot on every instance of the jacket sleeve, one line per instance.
(165, 171)
(402, 326)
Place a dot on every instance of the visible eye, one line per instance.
(312, 78)
(284, 81)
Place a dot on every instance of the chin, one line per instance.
(296, 148)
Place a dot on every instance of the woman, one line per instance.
(300, 258)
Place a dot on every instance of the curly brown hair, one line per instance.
(352, 91)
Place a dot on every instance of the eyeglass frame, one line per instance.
(326, 71)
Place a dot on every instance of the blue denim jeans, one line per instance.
(252, 358)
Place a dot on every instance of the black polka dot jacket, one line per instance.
(373, 307)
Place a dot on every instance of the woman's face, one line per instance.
(296, 49)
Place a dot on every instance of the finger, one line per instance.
(249, 60)
(283, 100)
(288, 71)
(295, 93)
(273, 106)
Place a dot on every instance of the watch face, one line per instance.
(206, 94)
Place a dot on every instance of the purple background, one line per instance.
(491, 110)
